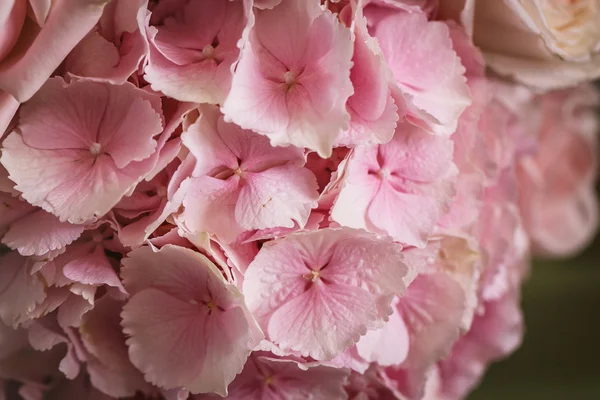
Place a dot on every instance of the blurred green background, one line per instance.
(560, 355)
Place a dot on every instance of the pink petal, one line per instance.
(45, 333)
(206, 142)
(108, 363)
(63, 116)
(432, 310)
(40, 232)
(20, 291)
(369, 385)
(302, 289)
(117, 46)
(12, 209)
(427, 6)
(351, 198)
(278, 196)
(215, 212)
(254, 151)
(94, 56)
(75, 306)
(388, 345)
(147, 208)
(94, 269)
(373, 114)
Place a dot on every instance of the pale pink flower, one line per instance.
(430, 75)
(241, 183)
(557, 196)
(400, 188)
(80, 147)
(178, 293)
(318, 292)
(193, 47)
(293, 78)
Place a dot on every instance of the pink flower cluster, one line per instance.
(271, 199)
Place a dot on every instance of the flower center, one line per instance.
(95, 148)
(384, 173)
(289, 78)
(211, 305)
(313, 276)
(208, 51)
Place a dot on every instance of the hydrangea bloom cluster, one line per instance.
(271, 199)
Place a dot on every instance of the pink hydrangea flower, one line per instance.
(80, 147)
(558, 199)
(194, 46)
(318, 292)
(273, 199)
(240, 182)
(293, 78)
(176, 292)
(400, 188)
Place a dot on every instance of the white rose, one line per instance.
(544, 43)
